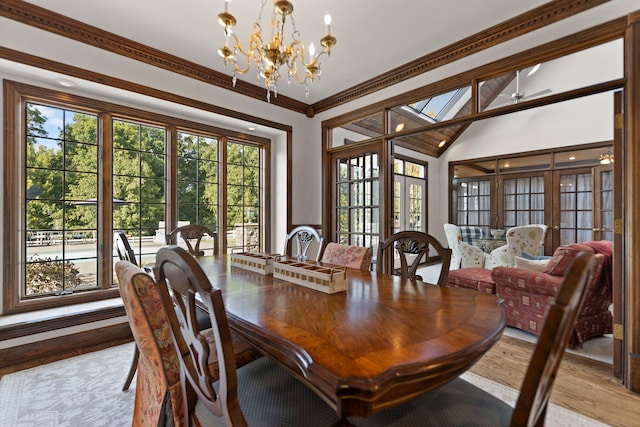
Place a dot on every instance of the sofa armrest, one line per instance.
(527, 280)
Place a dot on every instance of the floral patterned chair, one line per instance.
(159, 399)
(526, 238)
(528, 293)
(347, 256)
(158, 390)
(463, 255)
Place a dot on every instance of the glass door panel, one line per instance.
(573, 196)
(603, 203)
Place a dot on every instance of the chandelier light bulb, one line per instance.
(269, 55)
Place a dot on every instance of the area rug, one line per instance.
(87, 391)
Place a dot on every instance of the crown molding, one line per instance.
(56, 23)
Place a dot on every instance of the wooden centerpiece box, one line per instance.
(259, 263)
(325, 279)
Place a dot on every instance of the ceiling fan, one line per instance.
(518, 96)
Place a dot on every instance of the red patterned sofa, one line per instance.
(476, 278)
(527, 293)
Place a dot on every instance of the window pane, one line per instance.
(61, 195)
(244, 220)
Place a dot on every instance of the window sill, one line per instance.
(34, 322)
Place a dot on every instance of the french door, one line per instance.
(583, 201)
(409, 204)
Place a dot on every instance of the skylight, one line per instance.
(436, 108)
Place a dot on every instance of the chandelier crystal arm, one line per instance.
(270, 57)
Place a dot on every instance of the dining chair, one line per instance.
(460, 403)
(412, 247)
(158, 390)
(347, 255)
(192, 235)
(125, 253)
(258, 393)
(304, 236)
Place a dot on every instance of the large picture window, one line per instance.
(78, 169)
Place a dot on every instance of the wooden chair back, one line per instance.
(414, 245)
(530, 409)
(175, 268)
(125, 253)
(123, 248)
(304, 236)
(192, 235)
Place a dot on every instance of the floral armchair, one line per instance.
(526, 238)
(463, 255)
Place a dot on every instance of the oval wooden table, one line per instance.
(379, 343)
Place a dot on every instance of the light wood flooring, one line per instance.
(582, 385)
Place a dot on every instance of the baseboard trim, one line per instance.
(26, 356)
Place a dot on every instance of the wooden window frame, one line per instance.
(16, 96)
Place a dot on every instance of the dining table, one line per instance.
(381, 342)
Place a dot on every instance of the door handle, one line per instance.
(556, 227)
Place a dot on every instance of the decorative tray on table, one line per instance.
(325, 279)
(259, 263)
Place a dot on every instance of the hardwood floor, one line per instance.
(582, 385)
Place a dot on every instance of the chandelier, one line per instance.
(606, 159)
(269, 57)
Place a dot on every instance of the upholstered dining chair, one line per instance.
(461, 403)
(259, 393)
(125, 253)
(413, 247)
(304, 236)
(192, 235)
(463, 255)
(347, 255)
(158, 390)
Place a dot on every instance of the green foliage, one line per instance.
(63, 166)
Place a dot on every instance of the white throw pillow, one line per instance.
(531, 264)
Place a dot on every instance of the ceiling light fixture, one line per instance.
(399, 127)
(606, 159)
(442, 143)
(270, 56)
(65, 82)
(533, 70)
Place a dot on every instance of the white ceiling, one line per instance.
(373, 36)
